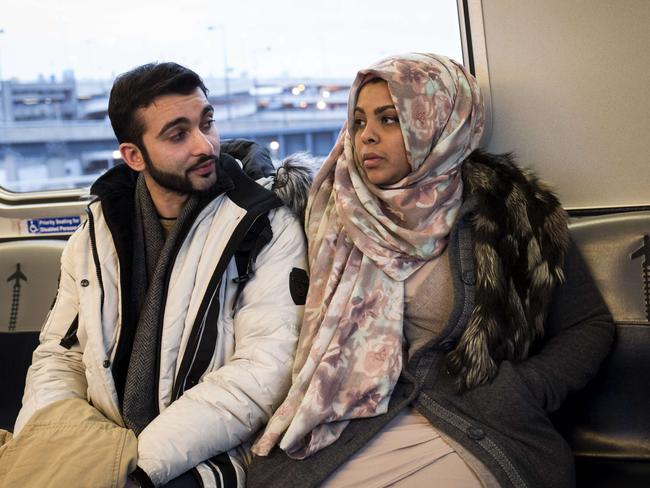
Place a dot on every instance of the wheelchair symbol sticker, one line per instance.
(53, 225)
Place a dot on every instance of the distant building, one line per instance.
(56, 133)
(40, 100)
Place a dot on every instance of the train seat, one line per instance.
(608, 423)
(29, 271)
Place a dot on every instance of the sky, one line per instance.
(263, 39)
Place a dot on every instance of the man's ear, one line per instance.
(132, 156)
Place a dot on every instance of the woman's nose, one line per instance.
(369, 135)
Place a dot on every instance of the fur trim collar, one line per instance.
(292, 182)
(520, 236)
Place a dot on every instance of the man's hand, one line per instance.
(131, 483)
(138, 478)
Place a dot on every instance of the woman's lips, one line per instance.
(371, 161)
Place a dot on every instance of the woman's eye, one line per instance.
(359, 123)
(390, 119)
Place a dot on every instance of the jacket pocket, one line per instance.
(70, 338)
(507, 404)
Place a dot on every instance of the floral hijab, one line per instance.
(365, 241)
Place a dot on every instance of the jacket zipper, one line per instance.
(93, 246)
(175, 396)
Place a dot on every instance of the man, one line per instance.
(155, 323)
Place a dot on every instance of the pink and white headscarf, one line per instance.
(364, 242)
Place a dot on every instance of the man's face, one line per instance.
(180, 142)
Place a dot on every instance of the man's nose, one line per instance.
(202, 144)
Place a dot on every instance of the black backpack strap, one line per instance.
(258, 236)
(201, 344)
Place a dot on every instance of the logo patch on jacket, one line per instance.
(298, 285)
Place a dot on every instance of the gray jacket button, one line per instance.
(85, 283)
(468, 278)
(106, 363)
(475, 433)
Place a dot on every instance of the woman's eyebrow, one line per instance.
(383, 108)
(378, 110)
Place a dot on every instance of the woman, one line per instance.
(448, 310)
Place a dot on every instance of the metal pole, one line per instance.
(2, 31)
(226, 77)
(256, 98)
(255, 72)
(4, 113)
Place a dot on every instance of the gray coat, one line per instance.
(503, 421)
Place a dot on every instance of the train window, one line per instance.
(278, 72)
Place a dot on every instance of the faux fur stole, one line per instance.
(520, 236)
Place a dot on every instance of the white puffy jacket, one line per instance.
(249, 371)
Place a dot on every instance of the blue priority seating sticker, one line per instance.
(53, 225)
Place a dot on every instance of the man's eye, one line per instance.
(178, 136)
(207, 124)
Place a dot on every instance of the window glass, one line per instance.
(278, 72)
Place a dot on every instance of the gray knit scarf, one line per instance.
(152, 259)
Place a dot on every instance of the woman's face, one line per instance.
(378, 142)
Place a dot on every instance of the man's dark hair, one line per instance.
(139, 87)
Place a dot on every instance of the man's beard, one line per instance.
(176, 183)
